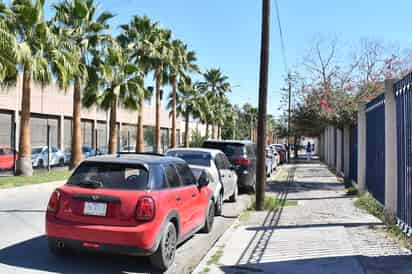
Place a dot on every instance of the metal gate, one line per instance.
(353, 148)
(375, 148)
(404, 138)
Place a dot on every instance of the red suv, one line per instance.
(141, 205)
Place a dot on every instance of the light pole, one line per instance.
(263, 91)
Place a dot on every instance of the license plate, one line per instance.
(95, 209)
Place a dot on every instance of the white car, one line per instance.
(223, 178)
(39, 157)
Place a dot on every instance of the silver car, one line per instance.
(39, 157)
(223, 178)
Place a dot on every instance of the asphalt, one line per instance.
(23, 246)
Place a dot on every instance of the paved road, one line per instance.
(324, 234)
(23, 247)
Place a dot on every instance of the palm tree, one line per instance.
(216, 84)
(182, 62)
(139, 36)
(161, 60)
(30, 47)
(85, 29)
(189, 102)
(117, 81)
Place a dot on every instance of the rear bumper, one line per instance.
(139, 239)
(245, 180)
(100, 247)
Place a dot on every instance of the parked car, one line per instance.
(88, 152)
(134, 204)
(39, 157)
(242, 155)
(282, 152)
(7, 157)
(223, 179)
(271, 163)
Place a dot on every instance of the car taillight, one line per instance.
(145, 209)
(54, 201)
(242, 162)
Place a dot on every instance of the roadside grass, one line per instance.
(281, 175)
(215, 258)
(43, 177)
(272, 203)
(245, 216)
(368, 203)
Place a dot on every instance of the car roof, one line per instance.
(243, 142)
(212, 151)
(142, 159)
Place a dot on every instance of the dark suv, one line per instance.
(242, 155)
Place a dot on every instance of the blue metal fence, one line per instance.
(375, 148)
(403, 95)
(353, 161)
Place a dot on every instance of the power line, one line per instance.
(282, 43)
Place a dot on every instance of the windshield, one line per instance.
(110, 176)
(36, 150)
(192, 157)
(230, 149)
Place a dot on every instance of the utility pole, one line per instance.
(289, 101)
(263, 92)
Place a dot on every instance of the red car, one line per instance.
(141, 205)
(7, 157)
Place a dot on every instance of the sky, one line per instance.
(226, 33)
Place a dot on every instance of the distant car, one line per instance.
(223, 179)
(242, 155)
(271, 163)
(39, 157)
(7, 157)
(103, 151)
(88, 152)
(281, 149)
(140, 205)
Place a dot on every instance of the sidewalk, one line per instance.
(324, 233)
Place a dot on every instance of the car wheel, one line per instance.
(164, 256)
(219, 205)
(207, 227)
(233, 198)
(57, 248)
(40, 164)
(61, 162)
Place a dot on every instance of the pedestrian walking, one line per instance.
(308, 151)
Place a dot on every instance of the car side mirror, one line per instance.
(203, 179)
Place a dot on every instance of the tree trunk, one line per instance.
(174, 90)
(213, 131)
(76, 145)
(219, 133)
(186, 130)
(140, 136)
(24, 166)
(207, 130)
(113, 127)
(157, 131)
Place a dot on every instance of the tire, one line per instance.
(56, 250)
(233, 198)
(40, 164)
(207, 227)
(61, 162)
(164, 256)
(219, 205)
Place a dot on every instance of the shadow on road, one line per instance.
(34, 254)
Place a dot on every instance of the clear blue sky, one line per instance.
(226, 33)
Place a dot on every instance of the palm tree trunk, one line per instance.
(213, 131)
(174, 90)
(24, 166)
(113, 127)
(187, 129)
(157, 133)
(140, 137)
(207, 130)
(219, 132)
(76, 146)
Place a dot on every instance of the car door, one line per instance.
(197, 197)
(54, 156)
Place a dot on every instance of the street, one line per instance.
(23, 246)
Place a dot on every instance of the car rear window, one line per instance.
(230, 149)
(192, 158)
(110, 176)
